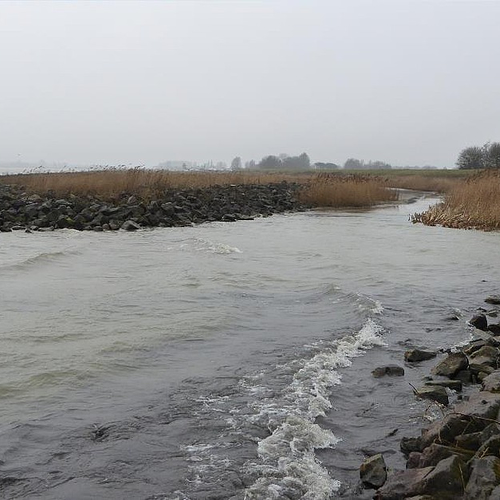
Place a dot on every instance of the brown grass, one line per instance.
(474, 204)
(331, 190)
(144, 183)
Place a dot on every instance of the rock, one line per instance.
(373, 471)
(410, 444)
(492, 382)
(484, 477)
(451, 365)
(403, 484)
(479, 321)
(446, 481)
(454, 385)
(416, 355)
(413, 461)
(494, 329)
(474, 346)
(487, 355)
(130, 225)
(433, 393)
(493, 299)
(490, 447)
(434, 453)
(391, 370)
(464, 376)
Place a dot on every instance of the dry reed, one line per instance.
(330, 190)
(474, 204)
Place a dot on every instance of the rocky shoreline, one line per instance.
(457, 456)
(20, 210)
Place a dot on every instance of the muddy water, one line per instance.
(224, 360)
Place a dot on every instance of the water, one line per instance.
(225, 360)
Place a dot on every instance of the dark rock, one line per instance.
(493, 299)
(494, 329)
(373, 471)
(434, 453)
(403, 484)
(446, 481)
(451, 365)
(130, 225)
(490, 447)
(484, 477)
(487, 355)
(474, 346)
(479, 321)
(416, 355)
(391, 370)
(454, 385)
(413, 461)
(464, 376)
(410, 444)
(433, 393)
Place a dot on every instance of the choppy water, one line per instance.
(224, 360)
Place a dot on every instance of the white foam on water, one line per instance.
(287, 459)
(208, 246)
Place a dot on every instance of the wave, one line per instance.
(37, 260)
(208, 246)
(287, 459)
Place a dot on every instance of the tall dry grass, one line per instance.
(331, 190)
(111, 183)
(474, 204)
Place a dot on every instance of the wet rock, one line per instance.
(474, 346)
(487, 355)
(446, 481)
(454, 385)
(403, 484)
(493, 299)
(391, 370)
(484, 477)
(130, 225)
(490, 447)
(416, 355)
(480, 322)
(433, 393)
(451, 365)
(434, 453)
(494, 329)
(410, 444)
(373, 471)
(413, 461)
(464, 376)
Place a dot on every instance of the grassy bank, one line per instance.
(326, 189)
(473, 204)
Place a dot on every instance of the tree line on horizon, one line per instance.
(479, 157)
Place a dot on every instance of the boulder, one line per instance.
(451, 365)
(403, 484)
(484, 477)
(433, 393)
(487, 355)
(492, 382)
(373, 471)
(391, 370)
(410, 444)
(454, 385)
(434, 453)
(479, 321)
(494, 329)
(446, 481)
(130, 225)
(493, 299)
(416, 355)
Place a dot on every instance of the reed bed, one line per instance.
(148, 184)
(473, 204)
(331, 190)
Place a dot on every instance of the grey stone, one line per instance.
(433, 393)
(454, 385)
(416, 355)
(391, 370)
(130, 225)
(479, 321)
(373, 471)
(484, 477)
(451, 365)
(493, 299)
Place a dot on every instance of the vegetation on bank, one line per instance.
(473, 204)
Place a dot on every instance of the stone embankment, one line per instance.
(175, 207)
(458, 456)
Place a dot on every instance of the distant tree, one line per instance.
(236, 163)
(471, 158)
(304, 160)
(325, 166)
(250, 164)
(270, 162)
(378, 165)
(353, 163)
(492, 154)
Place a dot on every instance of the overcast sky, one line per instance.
(407, 82)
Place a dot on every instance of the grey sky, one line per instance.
(408, 82)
